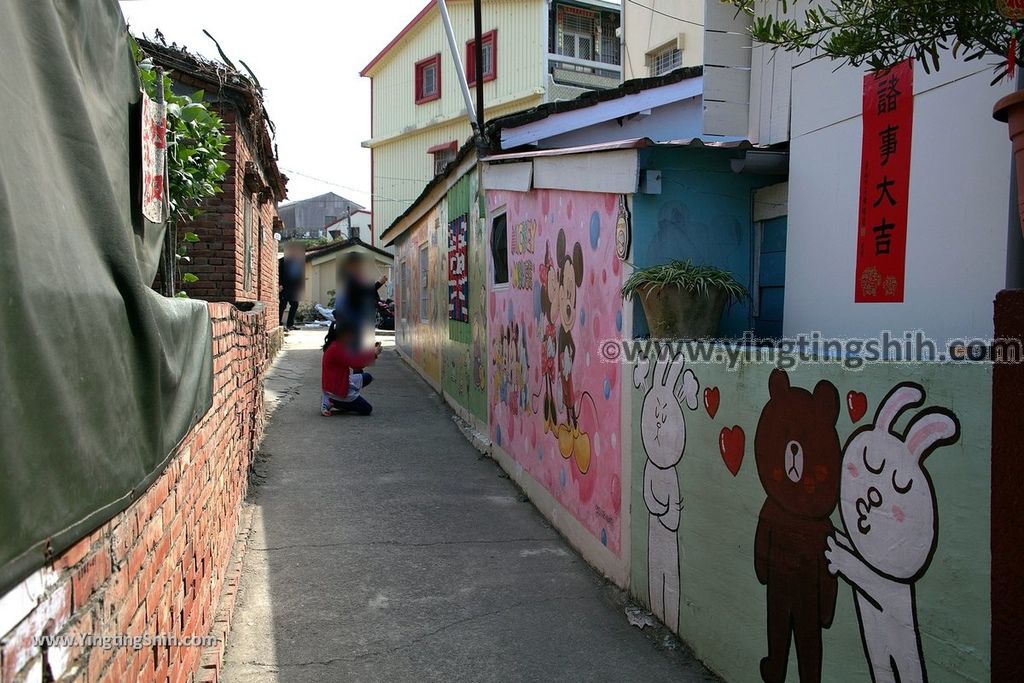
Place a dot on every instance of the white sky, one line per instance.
(307, 55)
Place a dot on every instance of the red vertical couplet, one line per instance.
(885, 184)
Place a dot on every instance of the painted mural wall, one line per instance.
(554, 407)
(422, 300)
(816, 524)
(465, 347)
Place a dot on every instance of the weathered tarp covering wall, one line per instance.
(100, 375)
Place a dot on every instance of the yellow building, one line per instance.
(535, 51)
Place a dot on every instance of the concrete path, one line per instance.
(387, 548)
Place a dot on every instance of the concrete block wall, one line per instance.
(158, 567)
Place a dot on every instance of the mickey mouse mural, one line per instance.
(565, 303)
(569, 276)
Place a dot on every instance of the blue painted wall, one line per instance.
(703, 214)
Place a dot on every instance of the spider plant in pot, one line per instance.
(682, 300)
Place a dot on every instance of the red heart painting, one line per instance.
(711, 399)
(732, 442)
(856, 405)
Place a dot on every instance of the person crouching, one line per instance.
(342, 386)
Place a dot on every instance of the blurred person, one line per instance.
(291, 273)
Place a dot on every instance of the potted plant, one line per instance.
(682, 300)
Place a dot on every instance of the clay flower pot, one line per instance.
(1010, 110)
(675, 313)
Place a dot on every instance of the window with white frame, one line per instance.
(488, 44)
(442, 158)
(247, 243)
(424, 284)
(664, 60)
(428, 79)
(403, 289)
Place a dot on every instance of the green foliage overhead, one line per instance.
(696, 279)
(196, 161)
(880, 33)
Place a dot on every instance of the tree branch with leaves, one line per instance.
(880, 33)
(196, 165)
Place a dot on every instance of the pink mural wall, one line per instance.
(554, 405)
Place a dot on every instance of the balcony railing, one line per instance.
(586, 65)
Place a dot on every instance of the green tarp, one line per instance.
(100, 376)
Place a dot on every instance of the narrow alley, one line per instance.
(388, 548)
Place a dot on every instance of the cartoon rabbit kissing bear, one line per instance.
(887, 503)
(887, 506)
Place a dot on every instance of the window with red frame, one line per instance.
(489, 41)
(428, 79)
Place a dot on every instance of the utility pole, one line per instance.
(478, 29)
(460, 69)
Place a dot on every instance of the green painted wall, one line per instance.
(722, 605)
(465, 355)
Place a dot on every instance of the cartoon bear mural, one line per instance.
(798, 457)
(888, 509)
(667, 389)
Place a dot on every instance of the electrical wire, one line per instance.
(347, 187)
(664, 14)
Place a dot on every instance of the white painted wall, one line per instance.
(959, 194)
(360, 220)
(652, 24)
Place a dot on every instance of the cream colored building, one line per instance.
(323, 265)
(660, 36)
(535, 51)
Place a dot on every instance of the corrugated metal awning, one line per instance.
(633, 143)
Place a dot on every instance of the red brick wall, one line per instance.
(157, 568)
(218, 259)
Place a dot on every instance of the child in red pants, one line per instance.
(340, 385)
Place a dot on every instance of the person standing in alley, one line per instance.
(357, 299)
(291, 272)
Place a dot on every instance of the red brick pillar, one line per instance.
(1007, 598)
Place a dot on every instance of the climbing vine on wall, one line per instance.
(196, 164)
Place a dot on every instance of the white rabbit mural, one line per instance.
(887, 504)
(664, 437)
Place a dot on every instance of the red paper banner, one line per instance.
(885, 184)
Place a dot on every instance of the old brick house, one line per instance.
(236, 256)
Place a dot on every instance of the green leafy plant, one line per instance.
(196, 163)
(880, 33)
(697, 279)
